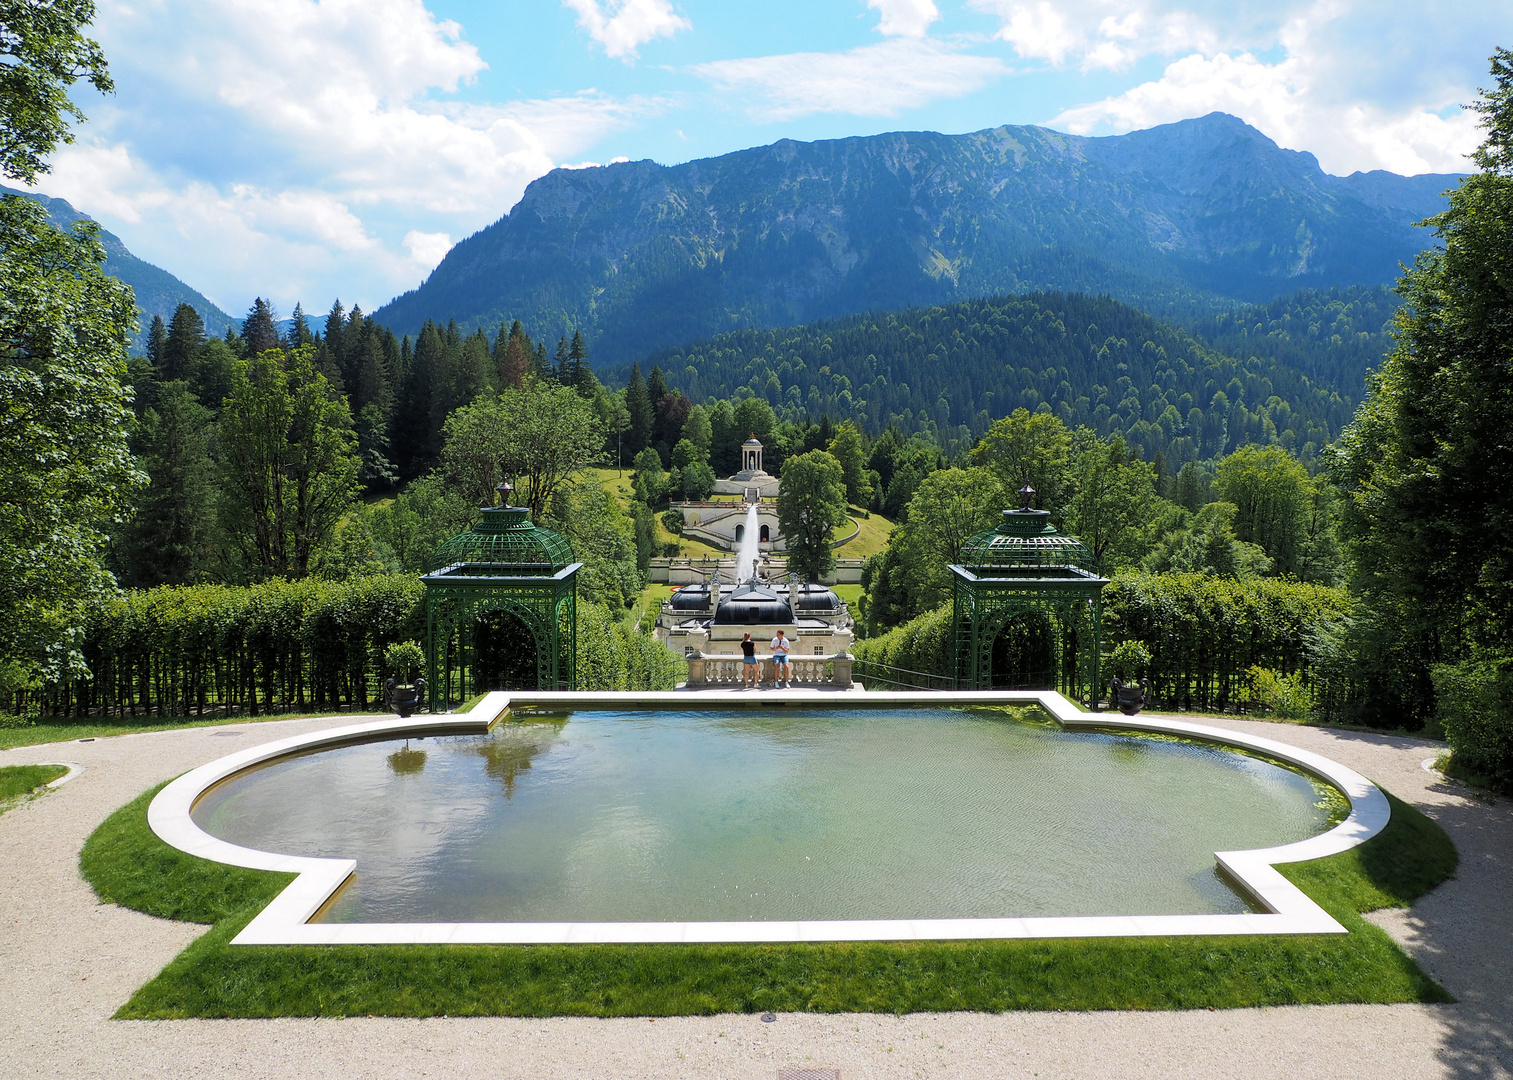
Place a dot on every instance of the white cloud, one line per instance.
(905, 18)
(282, 147)
(623, 26)
(1112, 34)
(874, 80)
(1310, 99)
(427, 249)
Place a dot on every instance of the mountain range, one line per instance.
(1188, 219)
(158, 291)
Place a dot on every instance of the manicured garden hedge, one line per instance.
(1203, 633)
(317, 645)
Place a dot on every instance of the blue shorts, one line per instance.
(750, 661)
(780, 658)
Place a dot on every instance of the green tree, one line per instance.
(1029, 448)
(538, 438)
(1205, 543)
(1272, 495)
(697, 429)
(180, 358)
(849, 447)
(1115, 492)
(811, 506)
(289, 463)
(948, 509)
(603, 539)
(43, 52)
(64, 325)
(639, 404)
(260, 328)
(1426, 468)
(168, 541)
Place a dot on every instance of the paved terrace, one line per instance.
(68, 962)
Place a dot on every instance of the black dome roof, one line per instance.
(753, 604)
(691, 598)
(813, 598)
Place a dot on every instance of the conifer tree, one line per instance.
(638, 403)
(560, 362)
(512, 356)
(181, 348)
(168, 541)
(260, 328)
(577, 363)
(299, 328)
(155, 335)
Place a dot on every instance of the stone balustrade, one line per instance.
(707, 672)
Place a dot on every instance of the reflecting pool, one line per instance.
(735, 814)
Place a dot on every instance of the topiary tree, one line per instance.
(403, 659)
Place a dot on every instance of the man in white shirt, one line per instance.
(779, 645)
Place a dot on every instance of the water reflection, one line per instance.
(407, 762)
(510, 752)
(638, 815)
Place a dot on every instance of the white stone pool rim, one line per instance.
(1284, 908)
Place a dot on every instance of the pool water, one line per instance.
(717, 815)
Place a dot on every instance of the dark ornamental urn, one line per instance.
(405, 699)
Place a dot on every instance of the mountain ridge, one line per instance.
(1206, 212)
(157, 291)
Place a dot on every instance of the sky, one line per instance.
(312, 151)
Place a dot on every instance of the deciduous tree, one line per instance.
(811, 505)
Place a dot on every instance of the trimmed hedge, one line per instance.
(1476, 708)
(1203, 633)
(293, 645)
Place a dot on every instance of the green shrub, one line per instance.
(1283, 696)
(923, 644)
(1129, 662)
(1476, 708)
(403, 659)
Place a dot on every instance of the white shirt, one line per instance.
(781, 644)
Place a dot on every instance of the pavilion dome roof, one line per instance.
(1026, 543)
(505, 542)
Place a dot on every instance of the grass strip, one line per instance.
(18, 780)
(126, 863)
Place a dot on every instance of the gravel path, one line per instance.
(67, 963)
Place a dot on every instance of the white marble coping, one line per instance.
(1284, 908)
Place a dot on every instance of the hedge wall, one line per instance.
(1203, 633)
(302, 645)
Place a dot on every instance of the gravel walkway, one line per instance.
(67, 963)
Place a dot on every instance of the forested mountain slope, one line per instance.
(158, 291)
(1184, 218)
(953, 369)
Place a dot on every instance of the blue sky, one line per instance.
(306, 151)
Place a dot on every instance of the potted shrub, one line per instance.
(1128, 664)
(405, 691)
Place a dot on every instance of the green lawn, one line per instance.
(19, 780)
(128, 865)
(872, 539)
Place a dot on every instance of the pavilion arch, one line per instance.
(506, 565)
(1025, 573)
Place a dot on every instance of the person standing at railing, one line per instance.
(749, 661)
(779, 646)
